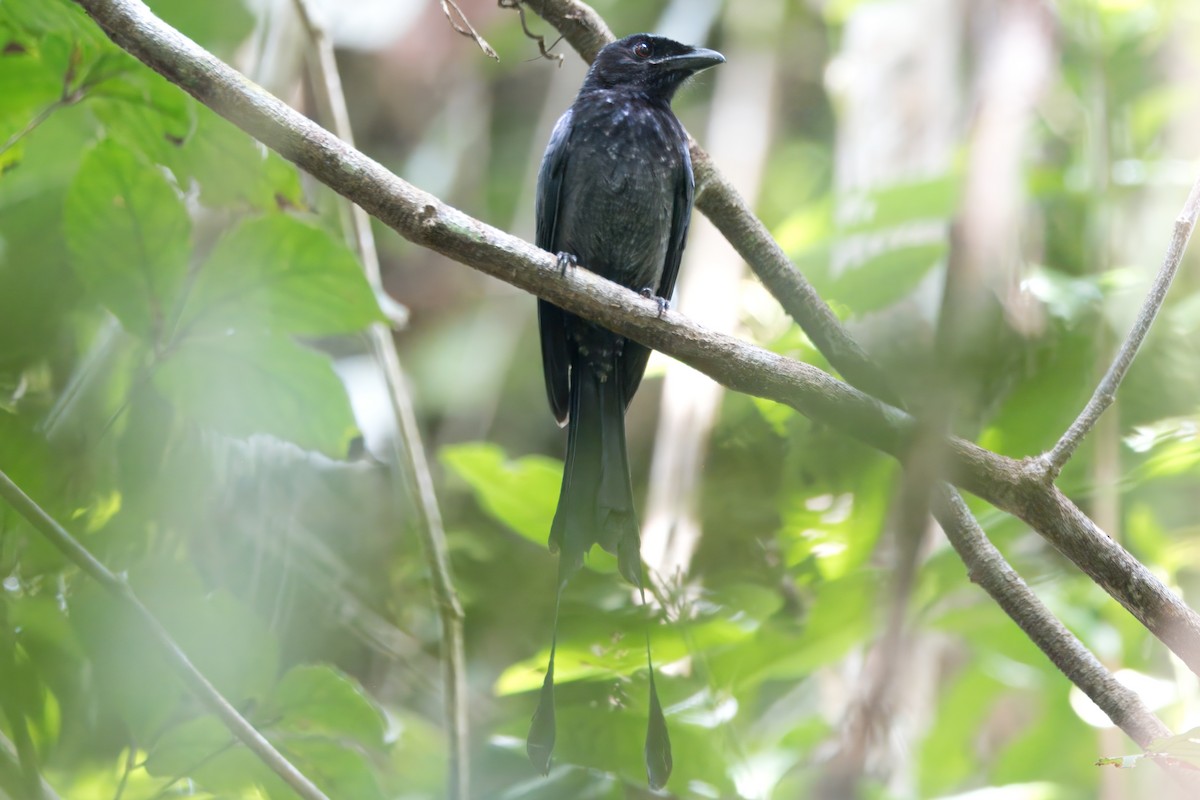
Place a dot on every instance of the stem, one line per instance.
(409, 451)
(462, 26)
(1106, 392)
(176, 659)
(31, 126)
(130, 762)
(987, 567)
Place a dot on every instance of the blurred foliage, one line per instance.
(172, 301)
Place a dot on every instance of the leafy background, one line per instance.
(182, 384)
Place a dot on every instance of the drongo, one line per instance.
(614, 196)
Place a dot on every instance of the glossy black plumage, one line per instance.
(614, 196)
(615, 193)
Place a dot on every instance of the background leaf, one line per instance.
(313, 699)
(243, 384)
(129, 236)
(521, 494)
(279, 275)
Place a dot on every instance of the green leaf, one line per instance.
(521, 494)
(280, 275)
(320, 699)
(28, 85)
(899, 203)
(948, 754)
(232, 169)
(44, 629)
(226, 640)
(144, 111)
(129, 237)
(836, 532)
(603, 728)
(605, 645)
(243, 384)
(777, 415)
(38, 18)
(341, 771)
(842, 617)
(203, 750)
(1064, 296)
(185, 746)
(882, 280)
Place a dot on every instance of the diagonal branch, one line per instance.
(1106, 392)
(180, 664)
(987, 567)
(408, 450)
(423, 219)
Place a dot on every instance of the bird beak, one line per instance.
(699, 58)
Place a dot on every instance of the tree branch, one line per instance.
(1106, 392)
(178, 661)
(987, 567)
(408, 451)
(423, 219)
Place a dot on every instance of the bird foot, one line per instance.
(566, 261)
(663, 303)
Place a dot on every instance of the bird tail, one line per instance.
(595, 504)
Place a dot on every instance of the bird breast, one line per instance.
(619, 191)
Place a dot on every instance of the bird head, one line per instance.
(652, 64)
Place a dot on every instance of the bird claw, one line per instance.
(565, 262)
(663, 303)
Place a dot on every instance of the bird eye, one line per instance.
(641, 50)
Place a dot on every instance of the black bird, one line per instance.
(615, 197)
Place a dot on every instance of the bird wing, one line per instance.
(636, 355)
(551, 318)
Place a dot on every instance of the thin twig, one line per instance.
(423, 219)
(463, 26)
(31, 126)
(541, 40)
(167, 788)
(127, 768)
(1103, 397)
(176, 659)
(410, 465)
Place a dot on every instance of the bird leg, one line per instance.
(663, 303)
(566, 261)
